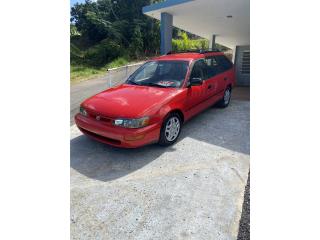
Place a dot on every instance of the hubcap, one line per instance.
(226, 97)
(172, 129)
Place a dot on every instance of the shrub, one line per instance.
(79, 72)
(102, 53)
(118, 62)
(76, 55)
(184, 43)
(136, 45)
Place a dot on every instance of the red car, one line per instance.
(154, 102)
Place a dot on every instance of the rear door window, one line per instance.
(199, 70)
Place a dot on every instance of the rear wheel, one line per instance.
(170, 129)
(224, 102)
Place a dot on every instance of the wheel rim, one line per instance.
(172, 129)
(227, 95)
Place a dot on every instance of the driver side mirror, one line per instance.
(195, 82)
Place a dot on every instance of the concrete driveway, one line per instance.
(192, 190)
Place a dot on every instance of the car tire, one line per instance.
(170, 129)
(224, 102)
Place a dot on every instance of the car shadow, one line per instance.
(103, 162)
(227, 128)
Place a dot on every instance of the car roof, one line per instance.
(187, 56)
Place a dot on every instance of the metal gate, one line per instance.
(242, 64)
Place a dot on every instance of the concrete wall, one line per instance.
(242, 65)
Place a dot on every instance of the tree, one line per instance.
(136, 45)
(121, 21)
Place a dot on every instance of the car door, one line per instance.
(228, 70)
(196, 94)
(215, 76)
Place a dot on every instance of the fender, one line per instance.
(178, 103)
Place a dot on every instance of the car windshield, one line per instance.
(160, 74)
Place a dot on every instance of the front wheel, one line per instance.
(170, 129)
(224, 102)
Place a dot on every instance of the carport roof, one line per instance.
(229, 20)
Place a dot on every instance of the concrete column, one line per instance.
(234, 50)
(166, 33)
(213, 42)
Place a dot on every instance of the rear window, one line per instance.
(224, 62)
(217, 64)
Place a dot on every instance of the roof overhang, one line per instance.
(207, 17)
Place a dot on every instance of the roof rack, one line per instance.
(194, 51)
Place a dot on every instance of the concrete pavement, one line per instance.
(192, 190)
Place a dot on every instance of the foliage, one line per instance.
(106, 30)
(108, 33)
(184, 43)
(118, 62)
(80, 72)
(74, 31)
(136, 45)
(106, 51)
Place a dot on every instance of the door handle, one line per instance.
(210, 86)
(225, 78)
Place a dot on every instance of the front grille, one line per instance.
(102, 138)
(105, 119)
(99, 117)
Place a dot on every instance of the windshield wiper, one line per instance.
(133, 83)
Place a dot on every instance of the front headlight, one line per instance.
(83, 111)
(132, 123)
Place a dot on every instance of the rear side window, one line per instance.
(213, 67)
(224, 62)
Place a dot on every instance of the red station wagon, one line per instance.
(154, 102)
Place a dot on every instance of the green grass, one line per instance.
(80, 73)
(118, 62)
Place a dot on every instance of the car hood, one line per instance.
(130, 101)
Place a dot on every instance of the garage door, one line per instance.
(242, 64)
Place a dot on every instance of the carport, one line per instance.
(226, 22)
(193, 189)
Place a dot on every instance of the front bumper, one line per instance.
(118, 136)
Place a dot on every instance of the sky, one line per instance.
(72, 2)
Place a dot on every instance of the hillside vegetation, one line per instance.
(107, 33)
